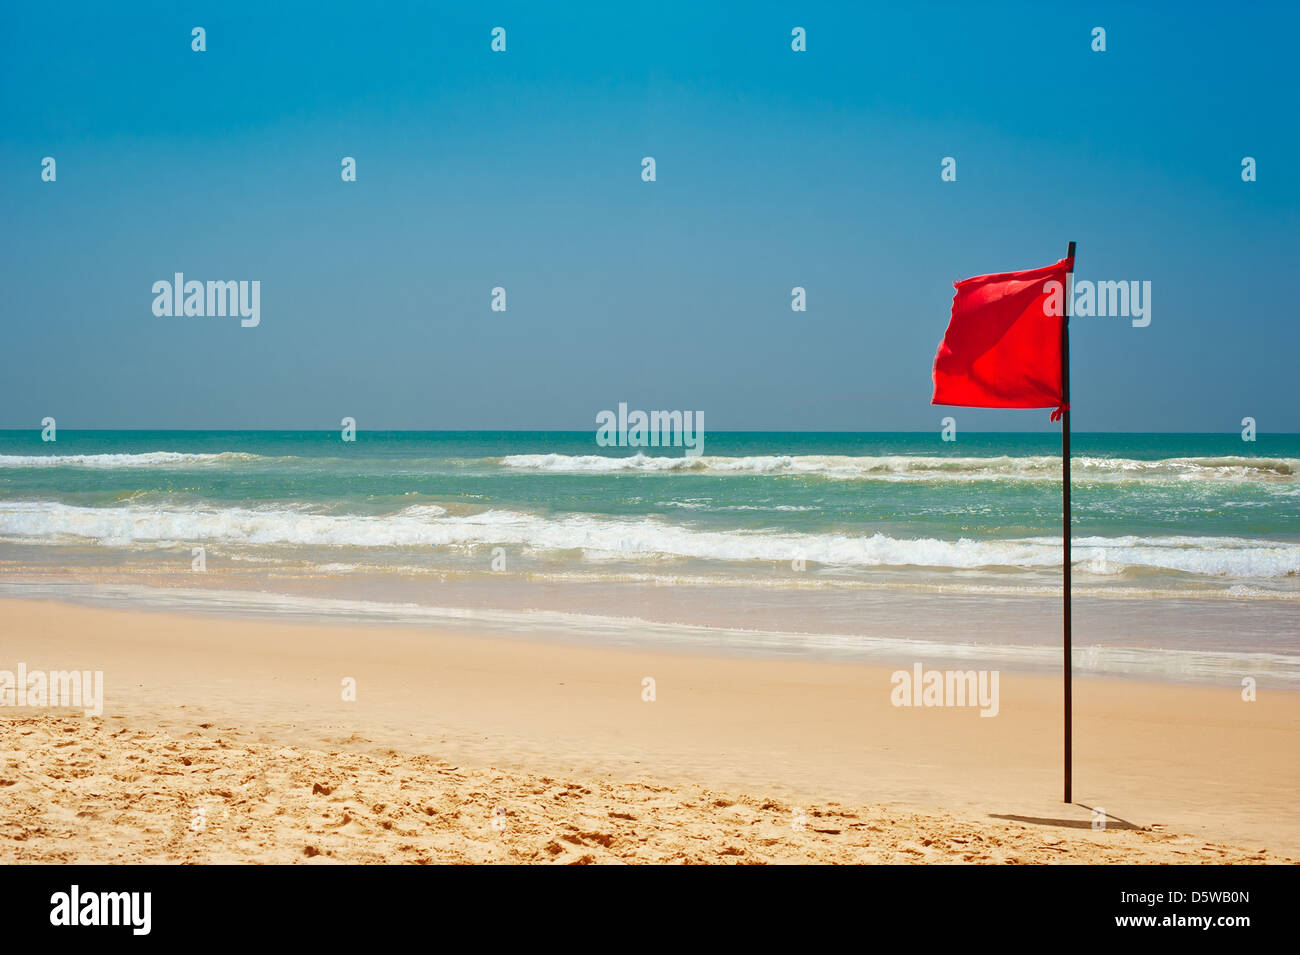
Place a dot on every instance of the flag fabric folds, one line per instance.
(1002, 348)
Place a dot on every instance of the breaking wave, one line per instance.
(633, 539)
(147, 459)
(918, 467)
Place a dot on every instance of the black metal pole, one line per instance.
(1065, 518)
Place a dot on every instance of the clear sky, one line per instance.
(522, 169)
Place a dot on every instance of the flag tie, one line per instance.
(1061, 409)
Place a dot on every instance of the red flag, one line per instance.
(1002, 348)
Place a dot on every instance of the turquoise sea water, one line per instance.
(797, 531)
(1212, 508)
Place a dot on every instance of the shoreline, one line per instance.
(1166, 644)
(1197, 761)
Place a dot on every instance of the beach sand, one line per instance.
(229, 740)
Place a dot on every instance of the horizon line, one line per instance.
(593, 431)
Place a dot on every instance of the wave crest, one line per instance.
(146, 459)
(639, 539)
(902, 467)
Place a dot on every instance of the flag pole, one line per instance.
(1065, 517)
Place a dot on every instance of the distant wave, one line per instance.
(898, 467)
(637, 540)
(901, 467)
(147, 459)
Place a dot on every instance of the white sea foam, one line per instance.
(638, 539)
(898, 467)
(147, 459)
(902, 467)
(700, 504)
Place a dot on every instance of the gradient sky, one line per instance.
(522, 169)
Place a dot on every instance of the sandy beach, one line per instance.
(230, 740)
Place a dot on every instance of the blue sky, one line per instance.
(522, 170)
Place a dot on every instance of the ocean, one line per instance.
(1186, 546)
